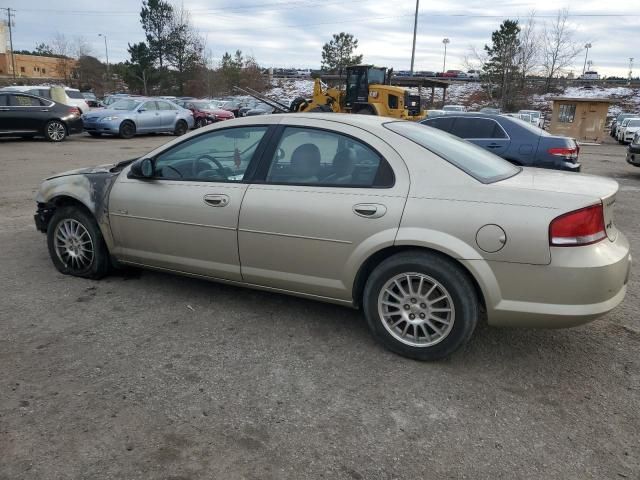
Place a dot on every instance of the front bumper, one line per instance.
(578, 286)
(43, 216)
(633, 155)
(102, 126)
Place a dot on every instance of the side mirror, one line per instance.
(142, 109)
(143, 168)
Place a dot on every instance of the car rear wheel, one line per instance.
(55, 131)
(420, 305)
(181, 128)
(76, 245)
(127, 129)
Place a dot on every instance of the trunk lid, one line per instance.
(593, 188)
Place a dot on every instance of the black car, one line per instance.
(633, 152)
(512, 139)
(24, 115)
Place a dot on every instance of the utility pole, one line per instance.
(10, 17)
(415, 31)
(630, 69)
(445, 42)
(587, 46)
(106, 54)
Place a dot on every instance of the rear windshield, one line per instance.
(477, 162)
(74, 94)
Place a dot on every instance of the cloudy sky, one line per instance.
(290, 33)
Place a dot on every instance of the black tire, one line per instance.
(99, 263)
(55, 131)
(366, 111)
(127, 129)
(466, 305)
(201, 122)
(298, 104)
(181, 128)
(95, 134)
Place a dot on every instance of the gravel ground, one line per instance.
(151, 376)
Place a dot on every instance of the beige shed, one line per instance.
(580, 118)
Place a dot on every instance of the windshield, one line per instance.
(473, 160)
(125, 105)
(376, 76)
(453, 108)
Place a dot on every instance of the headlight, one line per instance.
(108, 119)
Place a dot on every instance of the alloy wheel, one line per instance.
(56, 131)
(73, 244)
(416, 309)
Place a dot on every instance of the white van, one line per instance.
(64, 95)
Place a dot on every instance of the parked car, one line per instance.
(451, 73)
(473, 74)
(615, 125)
(535, 117)
(206, 112)
(512, 139)
(493, 110)
(57, 93)
(622, 130)
(232, 106)
(633, 152)
(28, 116)
(454, 108)
(425, 73)
(425, 232)
(131, 116)
(631, 129)
(435, 113)
(261, 109)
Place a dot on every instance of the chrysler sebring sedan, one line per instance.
(426, 233)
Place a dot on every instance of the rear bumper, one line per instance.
(570, 166)
(578, 286)
(74, 126)
(633, 156)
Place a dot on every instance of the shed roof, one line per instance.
(582, 99)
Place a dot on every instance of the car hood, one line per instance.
(217, 111)
(105, 112)
(106, 168)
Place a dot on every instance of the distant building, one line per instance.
(580, 118)
(31, 66)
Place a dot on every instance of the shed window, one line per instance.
(567, 113)
(22, 69)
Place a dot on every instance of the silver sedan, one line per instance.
(421, 230)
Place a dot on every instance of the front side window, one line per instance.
(219, 156)
(308, 156)
(475, 161)
(567, 113)
(149, 106)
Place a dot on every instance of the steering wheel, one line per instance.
(209, 161)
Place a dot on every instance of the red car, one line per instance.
(206, 112)
(451, 73)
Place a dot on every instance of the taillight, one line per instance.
(580, 227)
(75, 111)
(571, 152)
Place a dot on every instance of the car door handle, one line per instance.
(493, 145)
(369, 210)
(216, 200)
(4, 109)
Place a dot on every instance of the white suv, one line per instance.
(623, 127)
(64, 95)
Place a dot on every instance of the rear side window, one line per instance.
(470, 127)
(165, 106)
(74, 94)
(441, 123)
(24, 101)
(307, 156)
(475, 161)
(4, 100)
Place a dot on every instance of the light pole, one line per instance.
(630, 69)
(445, 41)
(587, 46)
(106, 53)
(415, 31)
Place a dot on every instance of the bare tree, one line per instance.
(529, 53)
(80, 47)
(559, 47)
(61, 48)
(477, 60)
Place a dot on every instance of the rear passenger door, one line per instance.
(168, 114)
(484, 132)
(325, 196)
(148, 117)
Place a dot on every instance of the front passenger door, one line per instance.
(185, 218)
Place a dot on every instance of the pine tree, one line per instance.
(338, 53)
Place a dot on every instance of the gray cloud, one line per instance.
(291, 32)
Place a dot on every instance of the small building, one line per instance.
(580, 118)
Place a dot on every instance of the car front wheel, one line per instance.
(420, 305)
(127, 129)
(76, 245)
